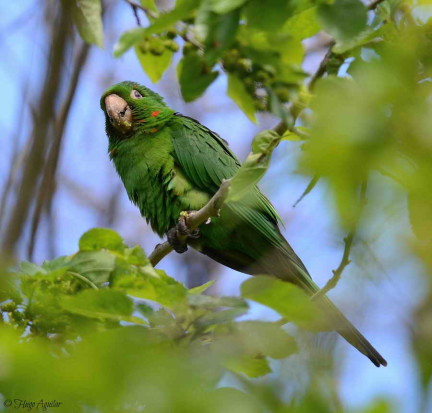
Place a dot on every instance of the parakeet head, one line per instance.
(130, 108)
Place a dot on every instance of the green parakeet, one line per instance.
(170, 163)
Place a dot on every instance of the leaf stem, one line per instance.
(82, 278)
(345, 261)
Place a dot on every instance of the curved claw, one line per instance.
(177, 236)
(173, 239)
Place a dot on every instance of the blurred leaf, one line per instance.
(128, 39)
(211, 302)
(216, 31)
(420, 213)
(254, 166)
(220, 317)
(228, 399)
(101, 238)
(163, 290)
(238, 93)
(87, 16)
(251, 366)
(201, 288)
(310, 186)
(288, 300)
(267, 339)
(303, 25)
(267, 14)
(195, 76)
(290, 135)
(265, 142)
(346, 141)
(149, 4)
(31, 269)
(57, 263)
(154, 65)
(225, 6)
(182, 10)
(343, 19)
(97, 266)
(102, 303)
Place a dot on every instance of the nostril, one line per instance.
(123, 112)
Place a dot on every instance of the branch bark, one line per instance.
(39, 140)
(193, 220)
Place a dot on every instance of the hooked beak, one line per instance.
(119, 113)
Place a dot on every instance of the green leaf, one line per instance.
(290, 135)
(163, 289)
(310, 186)
(238, 93)
(182, 10)
(57, 263)
(255, 165)
(97, 266)
(216, 31)
(103, 303)
(87, 16)
(154, 65)
(266, 338)
(32, 269)
(210, 302)
(265, 142)
(195, 76)
(267, 14)
(251, 366)
(220, 317)
(225, 6)
(129, 39)
(101, 238)
(201, 288)
(149, 4)
(420, 213)
(343, 19)
(287, 299)
(228, 399)
(303, 25)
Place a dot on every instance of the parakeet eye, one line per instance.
(135, 94)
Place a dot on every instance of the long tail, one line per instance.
(292, 269)
(344, 327)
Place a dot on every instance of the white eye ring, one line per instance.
(135, 94)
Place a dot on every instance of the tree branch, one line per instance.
(374, 4)
(337, 273)
(146, 10)
(348, 240)
(193, 220)
(322, 66)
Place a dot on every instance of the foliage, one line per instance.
(127, 334)
(102, 330)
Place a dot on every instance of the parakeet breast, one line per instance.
(152, 180)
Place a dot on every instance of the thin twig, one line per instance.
(146, 10)
(322, 68)
(337, 273)
(193, 220)
(38, 141)
(374, 4)
(345, 261)
(311, 185)
(48, 182)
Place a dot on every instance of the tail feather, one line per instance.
(296, 272)
(344, 327)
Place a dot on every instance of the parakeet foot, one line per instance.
(177, 236)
